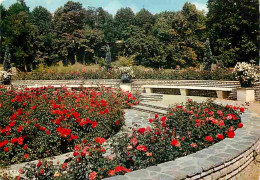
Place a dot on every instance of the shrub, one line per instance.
(187, 128)
(42, 122)
(140, 73)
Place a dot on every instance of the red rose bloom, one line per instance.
(242, 109)
(240, 125)
(220, 136)
(141, 130)
(209, 138)
(20, 141)
(39, 164)
(175, 143)
(25, 147)
(26, 156)
(6, 149)
(141, 148)
(100, 140)
(231, 134)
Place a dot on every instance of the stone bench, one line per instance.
(222, 92)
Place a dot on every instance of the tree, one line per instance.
(19, 36)
(3, 14)
(43, 43)
(234, 30)
(69, 18)
(145, 19)
(124, 18)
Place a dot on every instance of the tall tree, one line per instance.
(67, 20)
(234, 30)
(124, 18)
(41, 18)
(145, 19)
(19, 36)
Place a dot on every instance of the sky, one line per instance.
(154, 6)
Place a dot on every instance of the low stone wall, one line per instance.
(223, 160)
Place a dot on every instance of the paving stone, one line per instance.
(176, 173)
(163, 177)
(154, 168)
(119, 177)
(191, 170)
(143, 173)
(216, 160)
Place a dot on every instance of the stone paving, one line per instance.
(134, 117)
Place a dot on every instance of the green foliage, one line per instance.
(124, 61)
(140, 73)
(234, 30)
(165, 40)
(124, 18)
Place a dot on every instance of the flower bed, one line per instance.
(42, 122)
(186, 129)
(187, 74)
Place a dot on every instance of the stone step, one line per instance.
(154, 106)
(149, 110)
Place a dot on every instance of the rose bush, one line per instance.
(42, 122)
(186, 74)
(186, 129)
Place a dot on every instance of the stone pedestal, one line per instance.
(148, 90)
(222, 94)
(126, 87)
(184, 92)
(246, 94)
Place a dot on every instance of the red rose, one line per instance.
(231, 134)
(163, 118)
(94, 124)
(6, 149)
(100, 140)
(240, 125)
(141, 148)
(47, 132)
(25, 147)
(39, 164)
(242, 109)
(42, 171)
(14, 140)
(64, 166)
(175, 143)
(141, 130)
(156, 115)
(20, 141)
(220, 136)
(26, 156)
(119, 168)
(209, 138)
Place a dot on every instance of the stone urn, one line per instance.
(125, 78)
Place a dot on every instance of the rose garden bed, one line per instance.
(43, 122)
